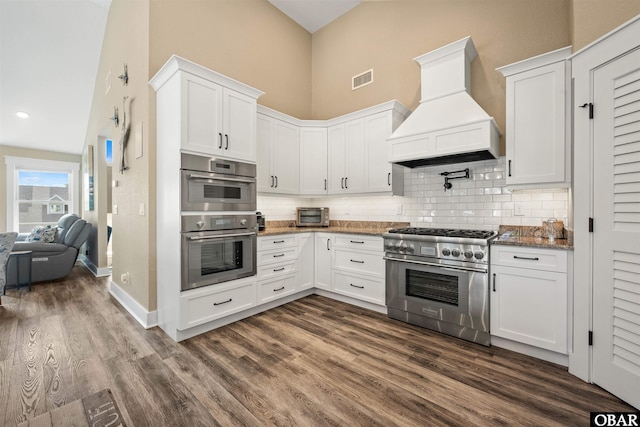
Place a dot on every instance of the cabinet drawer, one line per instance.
(359, 242)
(278, 288)
(276, 242)
(279, 256)
(213, 302)
(276, 270)
(370, 263)
(532, 258)
(366, 289)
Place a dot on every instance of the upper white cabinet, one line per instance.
(207, 112)
(278, 166)
(380, 174)
(313, 160)
(346, 157)
(538, 143)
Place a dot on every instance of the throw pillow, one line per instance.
(43, 234)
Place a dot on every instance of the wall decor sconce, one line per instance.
(115, 118)
(124, 76)
(447, 178)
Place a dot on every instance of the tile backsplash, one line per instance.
(483, 201)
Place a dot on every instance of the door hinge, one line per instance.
(590, 225)
(590, 105)
(590, 337)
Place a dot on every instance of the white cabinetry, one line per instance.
(278, 163)
(381, 175)
(323, 260)
(199, 111)
(277, 266)
(358, 267)
(538, 143)
(529, 296)
(347, 157)
(306, 255)
(313, 160)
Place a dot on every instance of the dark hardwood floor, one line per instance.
(312, 362)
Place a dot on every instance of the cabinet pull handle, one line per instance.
(342, 183)
(278, 269)
(226, 147)
(278, 241)
(527, 258)
(361, 242)
(220, 135)
(389, 179)
(494, 282)
(328, 248)
(355, 286)
(345, 183)
(278, 256)
(223, 302)
(509, 167)
(325, 185)
(279, 289)
(271, 181)
(276, 181)
(356, 261)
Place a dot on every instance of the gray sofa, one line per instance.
(51, 261)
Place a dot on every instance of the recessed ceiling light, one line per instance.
(22, 115)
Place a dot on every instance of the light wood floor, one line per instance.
(311, 362)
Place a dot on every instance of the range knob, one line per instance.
(455, 252)
(200, 224)
(468, 254)
(446, 252)
(243, 221)
(411, 248)
(479, 255)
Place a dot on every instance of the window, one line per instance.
(39, 192)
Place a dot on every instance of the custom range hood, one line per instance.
(448, 126)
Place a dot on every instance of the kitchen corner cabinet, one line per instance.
(278, 166)
(538, 120)
(313, 160)
(212, 114)
(381, 175)
(323, 260)
(529, 290)
(306, 256)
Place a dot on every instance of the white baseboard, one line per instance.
(353, 301)
(148, 319)
(97, 271)
(539, 353)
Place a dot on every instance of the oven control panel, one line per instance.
(451, 251)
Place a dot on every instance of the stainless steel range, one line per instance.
(439, 279)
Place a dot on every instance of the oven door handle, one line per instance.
(210, 178)
(219, 236)
(431, 264)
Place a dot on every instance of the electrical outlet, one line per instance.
(141, 209)
(399, 209)
(124, 278)
(518, 210)
(115, 210)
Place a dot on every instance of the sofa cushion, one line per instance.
(43, 234)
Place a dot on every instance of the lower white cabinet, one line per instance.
(306, 255)
(358, 286)
(529, 296)
(323, 260)
(277, 262)
(213, 302)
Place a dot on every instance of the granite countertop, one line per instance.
(515, 235)
(371, 228)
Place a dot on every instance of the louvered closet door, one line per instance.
(616, 257)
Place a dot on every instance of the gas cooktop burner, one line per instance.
(445, 232)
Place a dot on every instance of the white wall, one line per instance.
(482, 202)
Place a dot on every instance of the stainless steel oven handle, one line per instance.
(209, 178)
(218, 236)
(430, 264)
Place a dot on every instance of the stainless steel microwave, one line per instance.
(312, 217)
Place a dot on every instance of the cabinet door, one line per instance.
(355, 157)
(377, 129)
(265, 180)
(306, 261)
(536, 126)
(313, 161)
(337, 161)
(201, 115)
(239, 135)
(530, 307)
(323, 260)
(285, 158)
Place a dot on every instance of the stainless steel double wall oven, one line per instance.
(219, 228)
